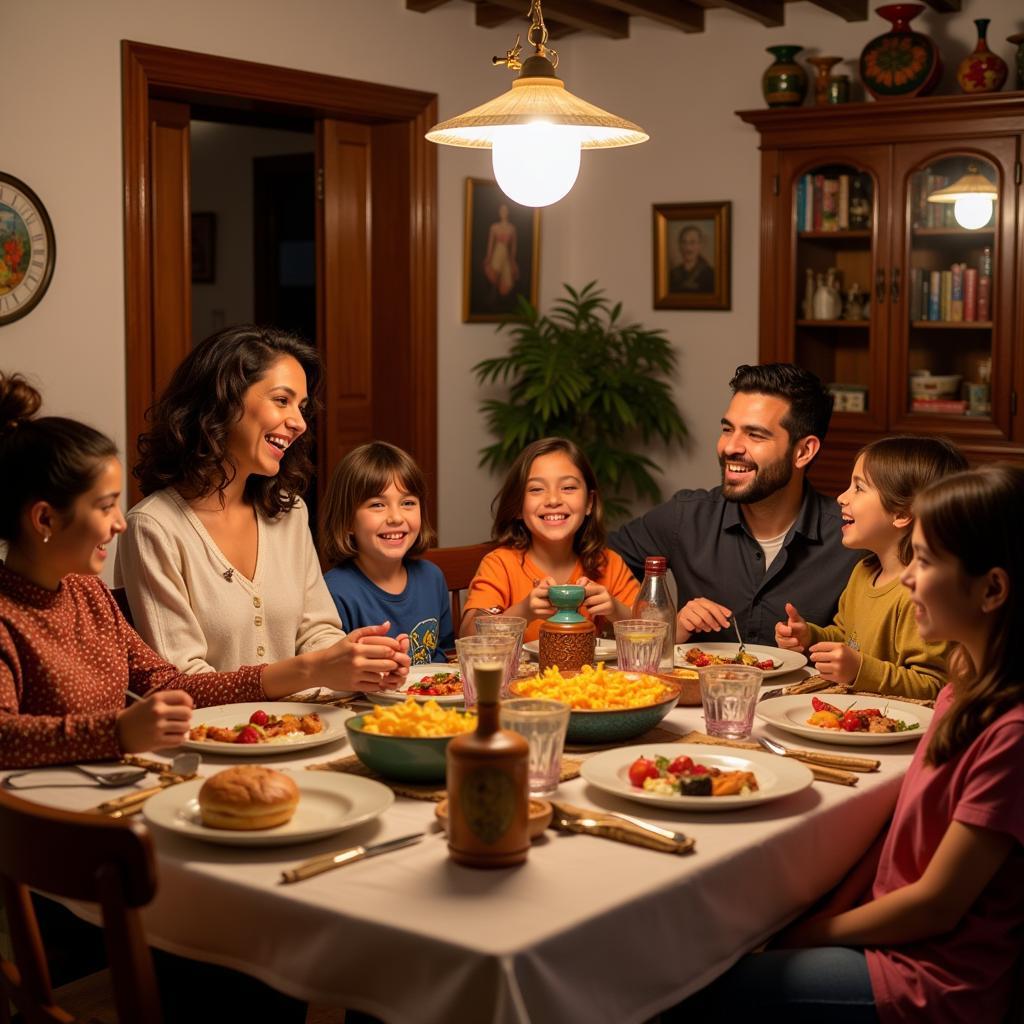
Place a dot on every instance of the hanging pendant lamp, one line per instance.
(536, 130)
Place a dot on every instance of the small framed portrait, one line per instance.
(692, 255)
(502, 253)
(204, 247)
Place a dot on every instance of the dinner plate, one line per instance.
(328, 802)
(776, 776)
(417, 672)
(227, 715)
(785, 661)
(604, 650)
(791, 713)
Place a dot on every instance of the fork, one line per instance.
(647, 826)
(568, 822)
(743, 646)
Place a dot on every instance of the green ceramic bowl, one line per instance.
(402, 758)
(590, 726)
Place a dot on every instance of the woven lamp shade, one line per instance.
(532, 100)
(971, 184)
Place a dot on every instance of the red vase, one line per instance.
(982, 70)
(901, 62)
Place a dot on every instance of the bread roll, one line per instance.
(248, 796)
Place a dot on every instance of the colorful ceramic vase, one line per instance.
(1018, 41)
(902, 62)
(982, 70)
(784, 83)
(824, 66)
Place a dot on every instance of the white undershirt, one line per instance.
(772, 546)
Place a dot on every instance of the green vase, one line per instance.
(1018, 41)
(784, 82)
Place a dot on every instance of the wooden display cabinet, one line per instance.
(892, 156)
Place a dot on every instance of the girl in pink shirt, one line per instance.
(938, 935)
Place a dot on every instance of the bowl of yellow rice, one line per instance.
(605, 706)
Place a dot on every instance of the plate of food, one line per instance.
(851, 720)
(603, 651)
(695, 776)
(773, 661)
(431, 681)
(264, 727)
(250, 805)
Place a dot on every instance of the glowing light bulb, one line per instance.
(535, 164)
(972, 212)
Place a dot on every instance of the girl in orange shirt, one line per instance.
(549, 526)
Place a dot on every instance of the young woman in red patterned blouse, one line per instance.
(67, 655)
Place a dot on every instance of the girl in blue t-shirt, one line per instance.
(373, 526)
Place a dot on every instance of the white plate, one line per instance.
(417, 672)
(791, 713)
(604, 651)
(329, 802)
(785, 661)
(225, 716)
(776, 776)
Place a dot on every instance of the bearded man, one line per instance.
(764, 537)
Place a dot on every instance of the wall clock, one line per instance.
(27, 249)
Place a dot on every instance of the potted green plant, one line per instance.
(578, 372)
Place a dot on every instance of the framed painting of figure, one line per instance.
(692, 255)
(501, 261)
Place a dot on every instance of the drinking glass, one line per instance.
(729, 694)
(638, 644)
(484, 651)
(504, 625)
(542, 723)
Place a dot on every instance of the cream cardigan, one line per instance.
(193, 607)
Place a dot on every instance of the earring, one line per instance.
(46, 538)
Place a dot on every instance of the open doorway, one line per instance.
(375, 243)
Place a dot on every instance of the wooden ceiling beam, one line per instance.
(848, 10)
(582, 14)
(680, 14)
(945, 6)
(423, 5)
(768, 12)
(492, 15)
(556, 30)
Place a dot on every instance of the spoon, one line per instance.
(772, 746)
(124, 777)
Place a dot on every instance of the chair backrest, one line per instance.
(79, 857)
(459, 566)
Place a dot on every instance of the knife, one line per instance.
(330, 861)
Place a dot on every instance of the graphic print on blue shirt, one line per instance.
(422, 610)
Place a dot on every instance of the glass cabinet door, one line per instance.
(834, 323)
(953, 318)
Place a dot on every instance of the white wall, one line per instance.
(63, 138)
(222, 184)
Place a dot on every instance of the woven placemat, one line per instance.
(658, 734)
(415, 791)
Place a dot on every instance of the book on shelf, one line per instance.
(843, 212)
(830, 204)
(945, 295)
(934, 295)
(970, 294)
(956, 295)
(808, 221)
(916, 275)
(947, 406)
(984, 296)
(819, 187)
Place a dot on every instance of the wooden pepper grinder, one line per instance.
(567, 639)
(488, 785)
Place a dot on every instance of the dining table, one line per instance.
(587, 929)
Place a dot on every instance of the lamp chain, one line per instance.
(536, 36)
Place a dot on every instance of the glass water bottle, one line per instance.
(655, 602)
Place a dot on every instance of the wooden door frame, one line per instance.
(404, 182)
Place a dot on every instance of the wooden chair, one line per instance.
(459, 566)
(78, 857)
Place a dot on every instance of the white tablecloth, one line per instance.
(587, 929)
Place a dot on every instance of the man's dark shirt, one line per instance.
(712, 554)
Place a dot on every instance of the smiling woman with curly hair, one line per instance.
(217, 559)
